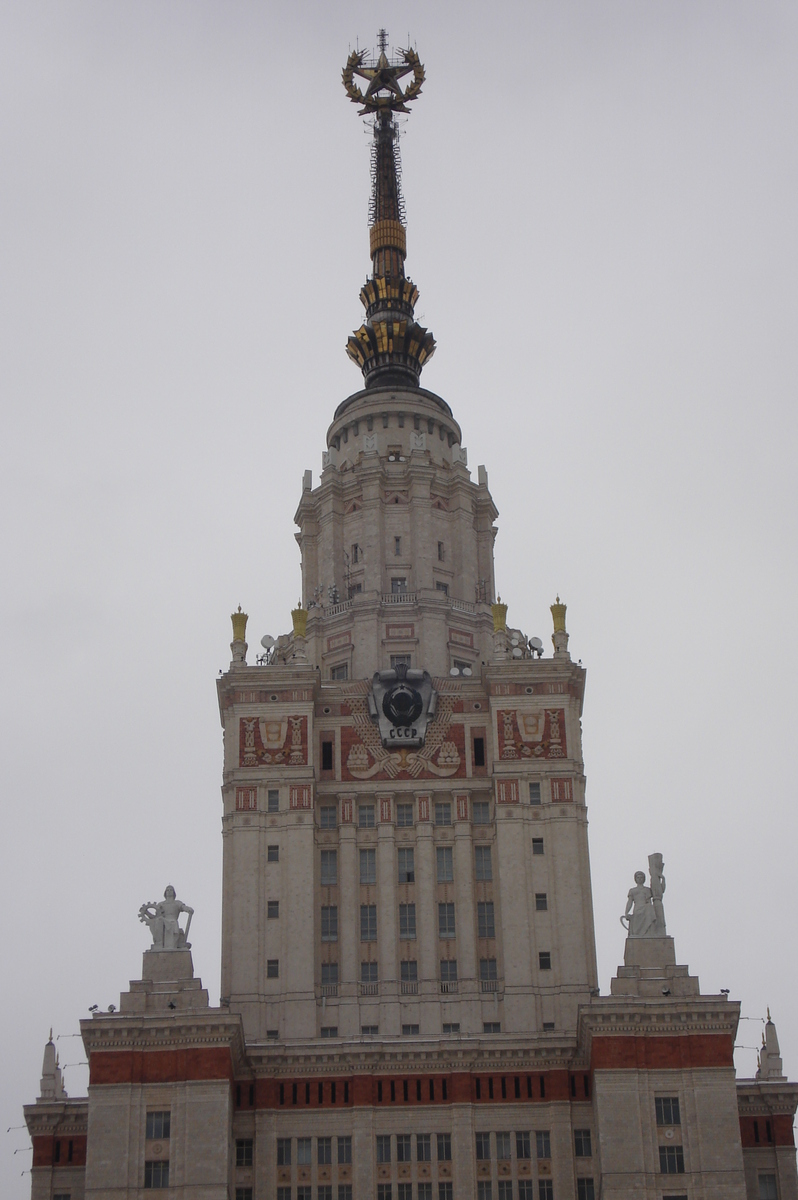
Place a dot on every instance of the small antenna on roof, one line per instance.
(382, 40)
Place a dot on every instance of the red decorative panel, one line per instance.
(346, 810)
(300, 796)
(283, 740)
(534, 733)
(507, 791)
(442, 757)
(246, 799)
(159, 1066)
(385, 807)
(677, 1052)
(461, 803)
(562, 789)
(423, 808)
(400, 631)
(459, 1087)
(460, 638)
(338, 640)
(781, 1131)
(44, 1150)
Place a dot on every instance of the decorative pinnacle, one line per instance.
(384, 92)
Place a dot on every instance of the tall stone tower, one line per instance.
(410, 1005)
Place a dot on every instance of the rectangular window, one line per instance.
(324, 1151)
(446, 920)
(544, 960)
(484, 1191)
(441, 587)
(443, 812)
(522, 1145)
(244, 1147)
(545, 1189)
(401, 660)
(324, 1191)
(483, 864)
(340, 672)
(407, 868)
(767, 1187)
(534, 793)
(404, 815)
(425, 1191)
(158, 1124)
(368, 866)
(491, 1026)
(326, 756)
(383, 1191)
(344, 1149)
(505, 1189)
(369, 1030)
(526, 1189)
(585, 1189)
(328, 816)
(487, 969)
(483, 1146)
(365, 816)
(272, 1034)
(283, 1152)
(403, 1147)
(481, 812)
(329, 974)
(444, 1147)
(405, 1191)
(304, 1193)
(446, 1190)
(329, 868)
(272, 854)
(423, 1147)
(407, 921)
(329, 922)
(408, 970)
(272, 910)
(543, 1143)
(541, 902)
(448, 970)
(242, 1193)
(355, 553)
(440, 552)
(667, 1110)
(344, 1191)
(445, 864)
(583, 1146)
(368, 922)
(479, 752)
(273, 968)
(671, 1160)
(503, 1146)
(273, 800)
(156, 1174)
(383, 1148)
(368, 972)
(304, 1147)
(399, 585)
(397, 546)
(461, 666)
(451, 1027)
(485, 923)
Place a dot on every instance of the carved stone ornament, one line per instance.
(161, 919)
(644, 916)
(402, 702)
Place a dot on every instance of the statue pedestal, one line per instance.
(649, 952)
(650, 969)
(167, 984)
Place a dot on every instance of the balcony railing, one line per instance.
(463, 605)
(448, 986)
(398, 597)
(329, 989)
(409, 989)
(489, 985)
(369, 989)
(334, 609)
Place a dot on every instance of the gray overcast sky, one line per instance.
(601, 208)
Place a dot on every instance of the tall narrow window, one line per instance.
(671, 1160)
(273, 800)
(368, 866)
(441, 552)
(159, 1124)
(443, 812)
(407, 921)
(329, 868)
(365, 816)
(408, 969)
(340, 672)
(326, 756)
(483, 1146)
(534, 793)
(407, 871)
(479, 752)
(329, 974)
(482, 862)
(480, 810)
(543, 1143)
(486, 924)
(445, 864)
(404, 815)
(446, 920)
(399, 585)
(397, 546)
(329, 923)
(368, 922)
(667, 1110)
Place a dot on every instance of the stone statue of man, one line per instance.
(162, 921)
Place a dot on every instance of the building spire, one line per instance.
(390, 347)
(770, 1062)
(51, 1086)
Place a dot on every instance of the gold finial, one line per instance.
(299, 616)
(558, 610)
(499, 611)
(239, 620)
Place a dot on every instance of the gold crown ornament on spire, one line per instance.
(390, 347)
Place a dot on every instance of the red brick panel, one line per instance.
(766, 1131)
(44, 1151)
(678, 1052)
(159, 1066)
(366, 1091)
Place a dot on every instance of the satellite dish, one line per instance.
(467, 671)
(454, 670)
(514, 641)
(536, 643)
(517, 652)
(267, 642)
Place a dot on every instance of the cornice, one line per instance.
(632, 1016)
(203, 1029)
(355, 1059)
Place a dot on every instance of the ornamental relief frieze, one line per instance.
(442, 756)
(533, 733)
(266, 742)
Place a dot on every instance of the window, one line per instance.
(444, 1147)
(545, 1189)
(329, 868)
(399, 585)
(356, 553)
(405, 1191)
(451, 1027)
(273, 800)
(481, 812)
(667, 1110)
(326, 756)
(383, 1148)
(404, 815)
(273, 968)
(244, 1152)
(344, 1149)
(368, 866)
(461, 667)
(537, 845)
(541, 902)
(440, 552)
(272, 1034)
(502, 1146)
(408, 970)
(505, 1189)
(544, 960)
(482, 859)
(397, 546)
(479, 752)
(272, 910)
(283, 1152)
(425, 1191)
(328, 816)
(534, 793)
(485, 922)
(368, 972)
(491, 1026)
(446, 920)
(344, 1191)
(283, 1193)
(340, 672)
(304, 1192)
(585, 1189)
(483, 1146)
(526, 1189)
(324, 1191)
(441, 587)
(542, 1143)
(368, 922)
(671, 1160)
(767, 1187)
(272, 854)
(383, 1191)
(522, 1145)
(329, 922)
(484, 1190)
(243, 1193)
(423, 1148)
(582, 1143)
(303, 1151)
(156, 1174)
(158, 1124)
(548, 1026)
(448, 970)
(365, 816)
(369, 1030)
(445, 864)
(407, 921)
(403, 1147)
(407, 870)
(446, 1191)
(487, 969)
(329, 974)
(324, 1151)
(443, 813)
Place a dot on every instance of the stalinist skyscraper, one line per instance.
(410, 1006)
